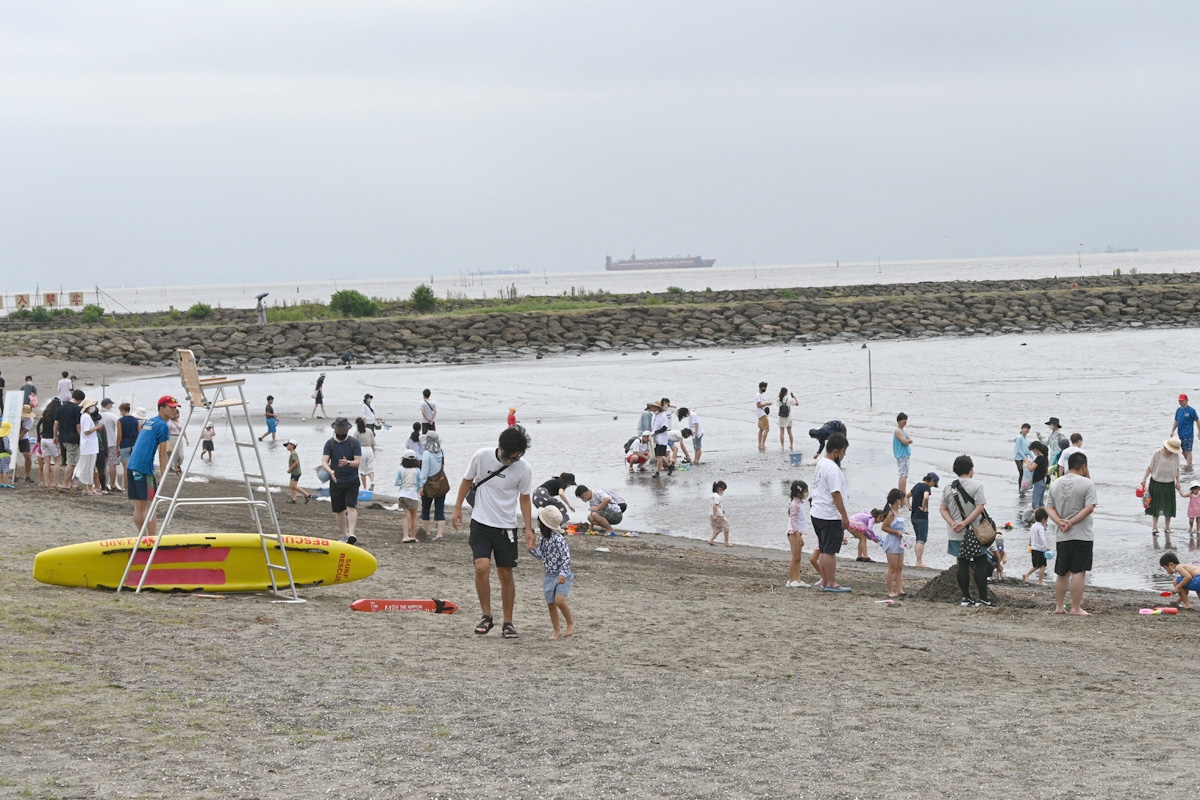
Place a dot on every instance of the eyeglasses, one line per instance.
(513, 459)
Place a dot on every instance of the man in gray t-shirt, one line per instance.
(1070, 502)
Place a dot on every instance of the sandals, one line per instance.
(508, 631)
(485, 624)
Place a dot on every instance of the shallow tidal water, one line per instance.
(966, 395)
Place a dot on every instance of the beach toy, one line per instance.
(1165, 594)
(1008, 526)
(1166, 610)
(1138, 492)
(1049, 554)
(796, 458)
(887, 602)
(1145, 612)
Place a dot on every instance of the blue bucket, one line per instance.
(796, 458)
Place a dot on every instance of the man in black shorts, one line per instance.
(829, 517)
(503, 482)
(1070, 503)
(341, 459)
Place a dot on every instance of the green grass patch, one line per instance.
(300, 312)
(527, 304)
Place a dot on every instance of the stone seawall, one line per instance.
(691, 319)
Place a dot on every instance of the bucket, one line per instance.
(796, 458)
(365, 495)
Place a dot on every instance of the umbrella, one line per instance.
(261, 296)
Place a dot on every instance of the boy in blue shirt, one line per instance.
(1185, 422)
(140, 477)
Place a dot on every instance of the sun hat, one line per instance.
(167, 400)
(1174, 445)
(86, 404)
(654, 404)
(341, 424)
(1054, 421)
(140, 413)
(5, 429)
(210, 425)
(27, 411)
(551, 517)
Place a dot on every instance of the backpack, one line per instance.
(629, 443)
(785, 410)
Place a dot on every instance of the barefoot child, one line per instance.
(552, 551)
(206, 438)
(892, 521)
(717, 516)
(1037, 546)
(293, 469)
(406, 495)
(1193, 511)
(797, 527)
(1187, 577)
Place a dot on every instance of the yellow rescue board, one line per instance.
(210, 562)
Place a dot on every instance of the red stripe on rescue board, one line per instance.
(436, 606)
(178, 577)
(184, 556)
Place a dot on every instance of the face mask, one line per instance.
(341, 435)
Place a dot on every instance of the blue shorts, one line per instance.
(140, 486)
(1193, 584)
(271, 425)
(126, 452)
(552, 588)
(698, 442)
(1185, 444)
(920, 529)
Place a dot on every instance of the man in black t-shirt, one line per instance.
(919, 499)
(340, 459)
(66, 436)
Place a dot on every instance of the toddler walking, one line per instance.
(717, 517)
(797, 527)
(555, 556)
(1037, 546)
(1193, 512)
(892, 520)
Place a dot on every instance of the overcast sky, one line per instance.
(293, 140)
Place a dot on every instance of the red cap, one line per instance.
(1182, 398)
(167, 400)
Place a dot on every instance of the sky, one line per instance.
(239, 140)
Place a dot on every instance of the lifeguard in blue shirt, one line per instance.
(139, 474)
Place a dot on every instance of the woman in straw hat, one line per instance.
(1163, 474)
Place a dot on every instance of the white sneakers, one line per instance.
(796, 585)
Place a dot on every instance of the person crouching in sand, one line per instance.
(555, 556)
(1187, 577)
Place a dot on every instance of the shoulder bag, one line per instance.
(477, 484)
(983, 527)
(438, 485)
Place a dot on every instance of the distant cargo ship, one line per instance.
(675, 262)
(1111, 249)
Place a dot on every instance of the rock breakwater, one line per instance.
(688, 319)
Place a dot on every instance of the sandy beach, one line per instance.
(693, 673)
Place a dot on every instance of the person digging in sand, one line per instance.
(1187, 577)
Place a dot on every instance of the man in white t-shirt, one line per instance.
(1065, 455)
(659, 426)
(762, 410)
(65, 387)
(829, 517)
(639, 452)
(428, 413)
(693, 429)
(503, 483)
(113, 453)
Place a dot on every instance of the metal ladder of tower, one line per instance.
(228, 396)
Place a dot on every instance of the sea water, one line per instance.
(962, 395)
(719, 278)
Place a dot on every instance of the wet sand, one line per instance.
(693, 674)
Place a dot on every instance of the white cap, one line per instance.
(647, 433)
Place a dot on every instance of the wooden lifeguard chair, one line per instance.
(228, 396)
